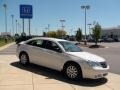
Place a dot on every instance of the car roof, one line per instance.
(48, 38)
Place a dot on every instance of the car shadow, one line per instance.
(52, 74)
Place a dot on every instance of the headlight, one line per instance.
(94, 64)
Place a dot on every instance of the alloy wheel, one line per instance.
(72, 71)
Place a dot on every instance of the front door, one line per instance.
(54, 56)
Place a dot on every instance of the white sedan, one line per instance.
(62, 55)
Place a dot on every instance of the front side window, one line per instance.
(70, 47)
(53, 46)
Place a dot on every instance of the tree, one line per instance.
(17, 36)
(52, 34)
(44, 34)
(60, 33)
(96, 33)
(79, 35)
(56, 34)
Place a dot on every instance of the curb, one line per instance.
(5, 46)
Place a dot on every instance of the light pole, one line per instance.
(20, 27)
(48, 27)
(5, 7)
(89, 28)
(86, 7)
(36, 31)
(29, 27)
(10, 32)
(12, 24)
(16, 26)
(71, 31)
(62, 21)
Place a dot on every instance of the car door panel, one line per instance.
(36, 54)
(53, 58)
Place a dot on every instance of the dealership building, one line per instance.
(113, 32)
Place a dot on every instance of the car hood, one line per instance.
(87, 56)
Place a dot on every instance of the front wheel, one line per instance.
(73, 71)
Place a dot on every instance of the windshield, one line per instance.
(70, 47)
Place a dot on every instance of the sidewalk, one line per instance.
(14, 76)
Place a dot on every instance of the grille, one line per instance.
(103, 64)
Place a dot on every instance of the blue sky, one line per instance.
(106, 12)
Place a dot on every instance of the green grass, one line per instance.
(2, 42)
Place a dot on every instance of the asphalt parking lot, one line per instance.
(111, 53)
(14, 76)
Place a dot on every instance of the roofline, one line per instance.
(49, 38)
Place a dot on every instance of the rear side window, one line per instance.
(32, 43)
(37, 43)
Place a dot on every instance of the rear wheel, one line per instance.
(73, 71)
(24, 59)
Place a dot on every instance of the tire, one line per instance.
(24, 58)
(73, 71)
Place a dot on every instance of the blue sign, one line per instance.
(26, 11)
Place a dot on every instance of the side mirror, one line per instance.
(58, 50)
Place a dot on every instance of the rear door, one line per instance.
(37, 51)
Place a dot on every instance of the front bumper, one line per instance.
(95, 73)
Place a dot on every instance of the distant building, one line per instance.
(113, 32)
(5, 34)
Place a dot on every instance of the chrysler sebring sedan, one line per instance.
(62, 55)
